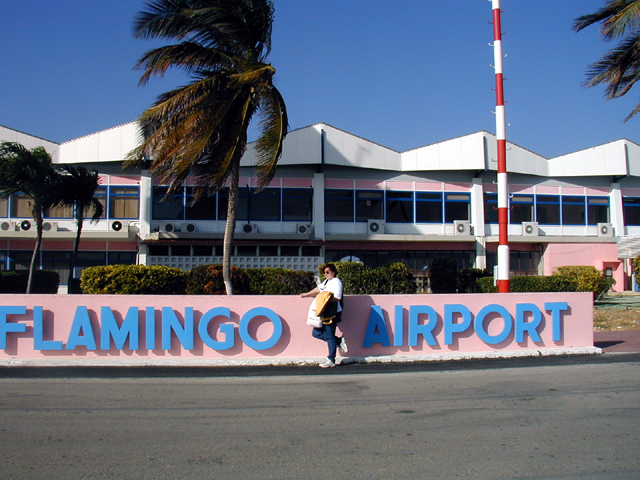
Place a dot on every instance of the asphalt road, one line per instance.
(525, 419)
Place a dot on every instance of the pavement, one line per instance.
(618, 341)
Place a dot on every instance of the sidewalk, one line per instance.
(618, 341)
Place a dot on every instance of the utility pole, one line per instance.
(502, 278)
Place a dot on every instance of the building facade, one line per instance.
(337, 196)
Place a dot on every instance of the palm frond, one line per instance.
(618, 17)
(273, 127)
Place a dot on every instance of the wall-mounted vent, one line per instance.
(530, 229)
(462, 227)
(375, 226)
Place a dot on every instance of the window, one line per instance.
(428, 207)
(20, 206)
(631, 210)
(490, 208)
(4, 207)
(60, 211)
(101, 195)
(597, 210)
(369, 205)
(180, 250)
(203, 250)
(265, 205)
(297, 204)
(456, 207)
(167, 208)
(123, 202)
(548, 209)
(521, 208)
(338, 205)
(268, 250)
(289, 251)
(242, 212)
(203, 209)
(573, 210)
(400, 207)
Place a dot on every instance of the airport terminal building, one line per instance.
(338, 196)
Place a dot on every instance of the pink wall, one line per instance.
(600, 256)
(73, 326)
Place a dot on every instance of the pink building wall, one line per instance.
(186, 328)
(601, 256)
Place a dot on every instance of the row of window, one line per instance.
(121, 203)
(59, 260)
(270, 204)
(550, 209)
(395, 206)
(239, 250)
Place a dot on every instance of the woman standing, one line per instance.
(327, 331)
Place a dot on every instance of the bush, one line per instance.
(360, 280)
(524, 284)
(468, 278)
(207, 280)
(588, 279)
(444, 275)
(279, 281)
(15, 281)
(133, 280)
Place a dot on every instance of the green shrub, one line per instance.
(133, 280)
(444, 275)
(279, 281)
(526, 284)
(360, 280)
(15, 281)
(587, 278)
(468, 278)
(207, 280)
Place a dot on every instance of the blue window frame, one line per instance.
(124, 202)
(521, 209)
(456, 206)
(429, 207)
(597, 210)
(631, 206)
(548, 209)
(399, 207)
(338, 205)
(490, 208)
(573, 210)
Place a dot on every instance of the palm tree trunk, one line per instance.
(37, 216)
(76, 246)
(230, 227)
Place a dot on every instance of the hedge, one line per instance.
(444, 275)
(555, 283)
(133, 280)
(588, 278)
(208, 280)
(279, 281)
(15, 281)
(360, 280)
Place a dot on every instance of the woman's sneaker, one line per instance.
(343, 345)
(327, 364)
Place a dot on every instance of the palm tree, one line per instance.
(30, 173)
(200, 129)
(619, 68)
(77, 189)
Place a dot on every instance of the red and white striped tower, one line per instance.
(501, 136)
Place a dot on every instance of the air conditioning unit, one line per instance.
(188, 227)
(462, 227)
(530, 229)
(249, 228)
(9, 227)
(50, 226)
(116, 226)
(303, 228)
(605, 230)
(375, 226)
(168, 227)
(25, 225)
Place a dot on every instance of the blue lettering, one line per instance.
(398, 328)
(556, 309)
(150, 328)
(81, 333)
(6, 327)
(426, 330)
(260, 312)
(39, 343)
(228, 329)
(376, 329)
(451, 327)
(110, 329)
(479, 324)
(522, 326)
(171, 323)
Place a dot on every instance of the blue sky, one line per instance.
(403, 73)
